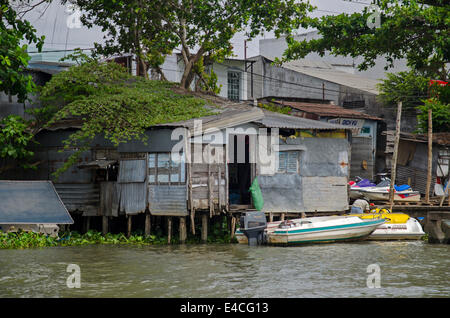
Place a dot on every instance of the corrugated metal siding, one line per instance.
(362, 149)
(133, 197)
(168, 200)
(132, 171)
(416, 177)
(80, 196)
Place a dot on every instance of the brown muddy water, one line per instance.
(406, 269)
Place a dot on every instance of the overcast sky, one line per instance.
(51, 21)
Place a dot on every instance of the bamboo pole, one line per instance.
(395, 155)
(430, 156)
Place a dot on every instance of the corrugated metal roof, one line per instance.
(327, 110)
(276, 120)
(132, 171)
(31, 202)
(335, 76)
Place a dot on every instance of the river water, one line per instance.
(406, 269)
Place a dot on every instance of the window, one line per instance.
(163, 170)
(288, 161)
(234, 84)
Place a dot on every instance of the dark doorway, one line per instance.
(239, 170)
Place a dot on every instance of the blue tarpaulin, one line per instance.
(31, 202)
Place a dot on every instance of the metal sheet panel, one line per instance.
(31, 202)
(133, 197)
(325, 194)
(282, 193)
(362, 151)
(168, 200)
(132, 171)
(80, 196)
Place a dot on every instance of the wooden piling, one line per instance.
(148, 224)
(282, 217)
(87, 222)
(270, 217)
(395, 155)
(129, 224)
(233, 226)
(105, 224)
(169, 230)
(183, 230)
(204, 227)
(430, 155)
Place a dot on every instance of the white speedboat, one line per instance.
(382, 194)
(323, 229)
(398, 226)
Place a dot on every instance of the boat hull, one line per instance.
(324, 234)
(412, 196)
(410, 230)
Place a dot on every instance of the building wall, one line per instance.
(276, 47)
(273, 81)
(320, 185)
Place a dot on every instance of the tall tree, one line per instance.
(417, 30)
(201, 29)
(131, 26)
(13, 53)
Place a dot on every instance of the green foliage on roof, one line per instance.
(111, 102)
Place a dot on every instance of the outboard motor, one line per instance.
(253, 225)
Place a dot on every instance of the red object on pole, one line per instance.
(438, 82)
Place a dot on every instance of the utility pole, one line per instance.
(395, 155)
(430, 155)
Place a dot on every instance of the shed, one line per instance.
(412, 161)
(31, 205)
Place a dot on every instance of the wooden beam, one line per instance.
(430, 155)
(148, 224)
(129, 225)
(105, 224)
(183, 230)
(233, 225)
(204, 227)
(169, 230)
(395, 155)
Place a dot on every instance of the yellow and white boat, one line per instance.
(399, 226)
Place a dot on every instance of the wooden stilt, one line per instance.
(148, 224)
(129, 224)
(204, 227)
(193, 221)
(105, 224)
(87, 223)
(183, 230)
(270, 217)
(282, 217)
(233, 226)
(169, 230)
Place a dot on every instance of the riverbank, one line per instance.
(21, 240)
